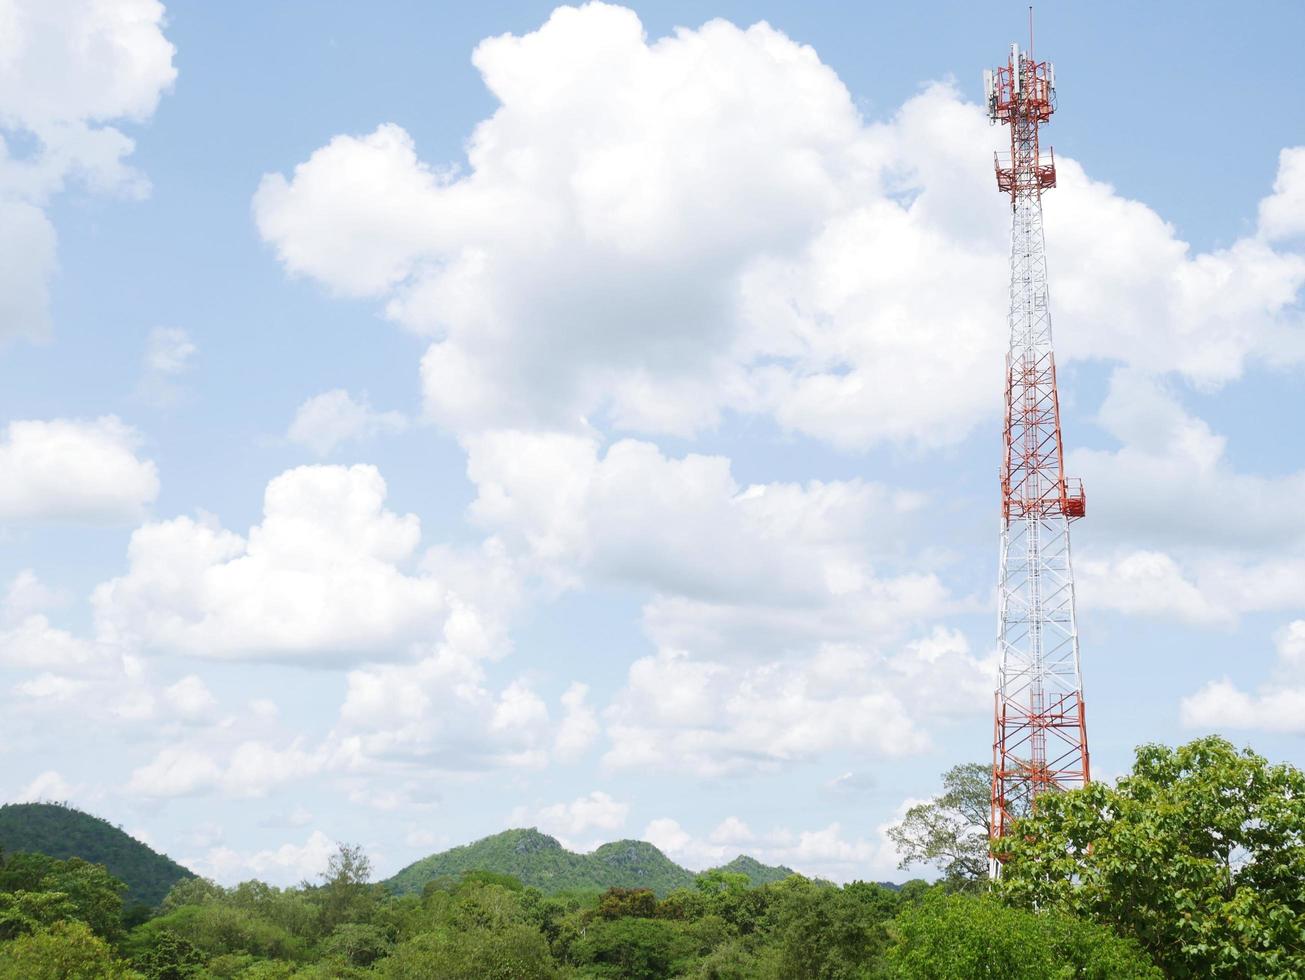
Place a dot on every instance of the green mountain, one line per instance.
(758, 873)
(540, 861)
(62, 832)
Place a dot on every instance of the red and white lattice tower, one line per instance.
(1040, 737)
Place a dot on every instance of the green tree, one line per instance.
(345, 893)
(1199, 854)
(513, 952)
(637, 903)
(950, 832)
(357, 944)
(826, 933)
(961, 936)
(64, 951)
(191, 891)
(169, 957)
(22, 912)
(93, 895)
(635, 949)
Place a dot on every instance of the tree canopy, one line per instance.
(1198, 853)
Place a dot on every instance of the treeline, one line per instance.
(1191, 866)
(65, 921)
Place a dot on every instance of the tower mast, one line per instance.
(1040, 734)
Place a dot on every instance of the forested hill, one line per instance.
(540, 861)
(63, 832)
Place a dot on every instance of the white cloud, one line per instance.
(440, 713)
(325, 421)
(322, 577)
(1282, 215)
(766, 566)
(1147, 583)
(822, 853)
(595, 812)
(169, 351)
(1290, 643)
(190, 697)
(1279, 706)
(50, 687)
(28, 639)
(583, 264)
(66, 68)
(168, 355)
(710, 718)
(27, 266)
(256, 768)
(175, 771)
(1170, 482)
(48, 786)
(70, 470)
(287, 864)
(1221, 704)
(249, 769)
(579, 728)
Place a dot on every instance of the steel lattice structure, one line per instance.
(1040, 736)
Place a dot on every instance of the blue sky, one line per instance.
(602, 434)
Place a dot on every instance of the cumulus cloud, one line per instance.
(724, 231)
(322, 577)
(827, 852)
(49, 786)
(249, 769)
(1147, 583)
(27, 637)
(1170, 482)
(1279, 706)
(287, 864)
(325, 421)
(762, 566)
(710, 718)
(1282, 215)
(579, 728)
(67, 67)
(72, 470)
(595, 813)
(442, 714)
(190, 698)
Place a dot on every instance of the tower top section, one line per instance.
(1022, 95)
(1021, 90)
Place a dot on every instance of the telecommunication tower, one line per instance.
(1040, 735)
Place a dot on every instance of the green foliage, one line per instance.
(83, 891)
(1199, 854)
(951, 830)
(22, 912)
(170, 957)
(60, 831)
(946, 936)
(191, 891)
(345, 895)
(64, 950)
(215, 929)
(512, 952)
(357, 944)
(829, 933)
(539, 861)
(635, 949)
(636, 903)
